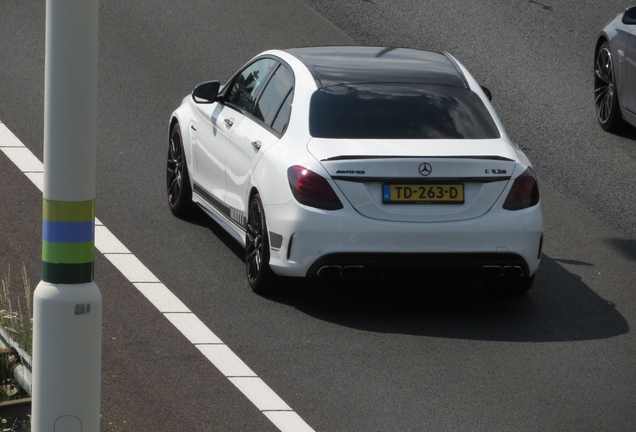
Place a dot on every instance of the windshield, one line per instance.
(399, 111)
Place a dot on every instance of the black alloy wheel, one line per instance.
(177, 178)
(605, 94)
(259, 275)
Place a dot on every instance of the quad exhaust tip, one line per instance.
(501, 271)
(336, 271)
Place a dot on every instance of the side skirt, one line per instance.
(227, 224)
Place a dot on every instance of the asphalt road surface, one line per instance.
(441, 356)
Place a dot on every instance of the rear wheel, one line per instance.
(605, 94)
(177, 178)
(259, 275)
(510, 286)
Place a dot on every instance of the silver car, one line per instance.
(615, 72)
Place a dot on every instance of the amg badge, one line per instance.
(349, 172)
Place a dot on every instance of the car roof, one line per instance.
(337, 65)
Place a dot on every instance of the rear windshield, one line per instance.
(399, 111)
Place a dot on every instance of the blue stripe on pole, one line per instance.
(68, 232)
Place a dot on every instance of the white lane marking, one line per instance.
(193, 328)
(226, 361)
(23, 159)
(37, 178)
(7, 138)
(288, 421)
(130, 266)
(106, 242)
(259, 393)
(213, 348)
(163, 299)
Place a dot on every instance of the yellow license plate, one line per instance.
(423, 194)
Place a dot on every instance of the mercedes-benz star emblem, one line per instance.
(425, 169)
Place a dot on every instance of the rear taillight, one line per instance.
(524, 192)
(311, 189)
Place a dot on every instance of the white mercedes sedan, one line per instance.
(358, 162)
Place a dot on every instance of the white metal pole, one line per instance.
(67, 316)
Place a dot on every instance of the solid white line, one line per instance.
(213, 348)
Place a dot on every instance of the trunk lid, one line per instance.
(418, 180)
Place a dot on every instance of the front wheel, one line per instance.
(259, 275)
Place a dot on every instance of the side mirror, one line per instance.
(487, 92)
(206, 92)
(629, 17)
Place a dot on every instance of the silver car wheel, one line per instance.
(606, 98)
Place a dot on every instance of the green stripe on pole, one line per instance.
(68, 211)
(68, 253)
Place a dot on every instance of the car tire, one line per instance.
(179, 189)
(608, 111)
(259, 275)
(510, 286)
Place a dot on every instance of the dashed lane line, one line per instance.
(169, 305)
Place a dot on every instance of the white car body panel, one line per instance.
(249, 143)
(213, 140)
(232, 169)
(312, 236)
(483, 167)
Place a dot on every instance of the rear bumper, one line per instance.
(308, 240)
(396, 265)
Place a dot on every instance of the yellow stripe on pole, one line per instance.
(68, 211)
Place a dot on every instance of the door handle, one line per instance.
(256, 145)
(229, 122)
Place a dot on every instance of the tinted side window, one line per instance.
(282, 119)
(277, 91)
(245, 86)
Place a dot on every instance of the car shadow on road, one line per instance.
(559, 307)
(626, 247)
(198, 217)
(625, 130)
